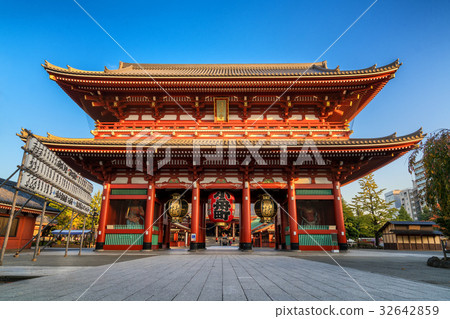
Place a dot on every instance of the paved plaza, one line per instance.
(225, 274)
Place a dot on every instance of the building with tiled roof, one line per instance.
(197, 129)
(24, 224)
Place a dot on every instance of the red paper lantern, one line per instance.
(221, 207)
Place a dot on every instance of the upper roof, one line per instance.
(35, 204)
(222, 70)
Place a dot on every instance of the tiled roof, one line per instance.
(222, 70)
(123, 143)
(395, 222)
(406, 223)
(7, 193)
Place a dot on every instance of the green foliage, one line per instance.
(403, 215)
(370, 207)
(351, 222)
(435, 151)
(64, 218)
(425, 214)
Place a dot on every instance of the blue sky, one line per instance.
(416, 32)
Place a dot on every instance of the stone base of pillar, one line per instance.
(343, 246)
(201, 246)
(99, 246)
(245, 246)
(147, 246)
(294, 246)
(194, 246)
(160, 245)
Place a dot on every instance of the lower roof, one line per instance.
(35, 205)
(324, 143)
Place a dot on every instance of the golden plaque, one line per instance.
(221, 109)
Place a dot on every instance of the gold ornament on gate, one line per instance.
(178, 208)
(265, 208)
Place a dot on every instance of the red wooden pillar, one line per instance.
(149, 217)
(292, 208)
(195, 217)
(339, 216)
(103, 216)
(245, 235)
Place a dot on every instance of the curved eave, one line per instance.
(323, 73)
(326, 145)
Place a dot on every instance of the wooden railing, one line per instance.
(230, 129)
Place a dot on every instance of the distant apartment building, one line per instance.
(419, 182)
(406, 198)
(393, 197)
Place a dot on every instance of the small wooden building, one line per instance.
(405, 235)
(23, 225)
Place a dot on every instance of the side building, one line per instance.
(27, 211)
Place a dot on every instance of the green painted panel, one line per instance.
(307, 227)
(288, 239)
(124, 239)
(155, 237)
(313, 192)
(128, 191)
(128, 226)
(316, 240)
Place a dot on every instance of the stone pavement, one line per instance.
(220, 275)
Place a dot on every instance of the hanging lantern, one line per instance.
(178, 208)
(265, 208)
(221, 207)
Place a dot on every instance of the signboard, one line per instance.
(36, 185)
(45, 172)
(40, 151)
(220, 109)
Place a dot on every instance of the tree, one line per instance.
(403, 215)
(425, 214)
(91, 220)
(435, 151)
(373, 209)
(350, 221)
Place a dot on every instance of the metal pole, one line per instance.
(10, 176)
(68, 236)
(51, 241)
(82, 235)
(23, 247)
(36, 248)
(13, 207)
(92, 227)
